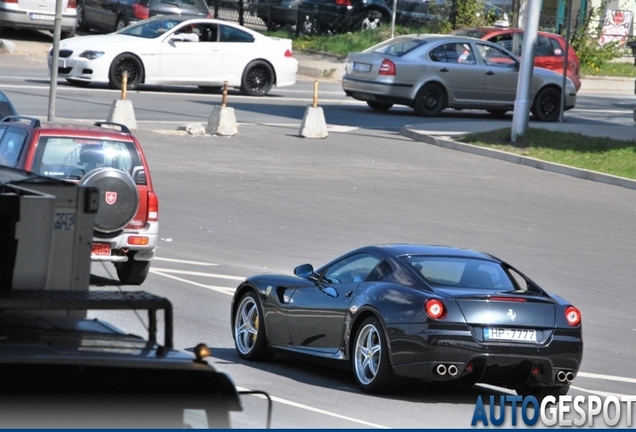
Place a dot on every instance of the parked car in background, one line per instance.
(431, 72)
(154, 51)
(112, 15)
(342, 16)
(106, 156)
(6, 107)
(418, 312)
(549, 50)
(38, 15)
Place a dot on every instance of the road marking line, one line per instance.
(185, 261)
(220, 289)
(317, 410)
(193, 273)
(598, 392)
(606, 377)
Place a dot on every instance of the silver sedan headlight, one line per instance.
(569, 86)
(91, 55)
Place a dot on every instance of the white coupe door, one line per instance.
(187, 62)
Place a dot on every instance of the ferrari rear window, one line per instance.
(460, 272)
(398, 46)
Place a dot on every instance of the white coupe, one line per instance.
(163, 50)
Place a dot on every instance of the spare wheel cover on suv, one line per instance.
(118, 198)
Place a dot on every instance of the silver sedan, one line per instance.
(433, 72)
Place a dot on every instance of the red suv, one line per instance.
(549, 51)
(106, 156)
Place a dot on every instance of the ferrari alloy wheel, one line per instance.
(547, 105)
(258, 79)
(125, 63)
(430, 100)
(249, 332)
(371, 366)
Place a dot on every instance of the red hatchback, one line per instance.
(106, 156)
(549, 51)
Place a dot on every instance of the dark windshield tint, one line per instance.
(474, 33)
(460, 272)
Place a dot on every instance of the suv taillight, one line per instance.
(141, 11)
(153, 207)
(343, 2)
(72, 4)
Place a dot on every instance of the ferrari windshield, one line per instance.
(461, 272)
(153, 27)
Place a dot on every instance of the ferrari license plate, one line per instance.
(506, 334)
(362, 67)
(100, 249)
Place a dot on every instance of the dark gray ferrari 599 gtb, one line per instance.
(431, 313)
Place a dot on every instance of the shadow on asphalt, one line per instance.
(315, 374)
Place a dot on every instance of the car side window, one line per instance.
(543, 47)
(231, 34)
(453, 53)
(353, 269)
(209, 33)
(555, 47)
(494, 56)
(11, 144)
(505, 40)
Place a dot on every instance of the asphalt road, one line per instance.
(267, 200)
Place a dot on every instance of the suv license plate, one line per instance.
(100, 249)
(505, 334)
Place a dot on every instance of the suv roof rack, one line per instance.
(33, 122)
(106, 124)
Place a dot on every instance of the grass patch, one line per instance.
(614, 69)
(603, 155)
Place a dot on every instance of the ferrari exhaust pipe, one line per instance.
(452, 370)
(562, 376)
(441, 369)
(569, 377)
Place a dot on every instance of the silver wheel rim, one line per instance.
(246, 325)
(367, 354)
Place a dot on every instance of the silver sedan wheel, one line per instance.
(367, 354)
(246, 325)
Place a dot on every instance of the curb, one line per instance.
(521, 160)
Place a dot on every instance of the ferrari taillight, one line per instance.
(435, 309)
(387, 67)
(573, 316)
(141, 11)
(153, 207)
